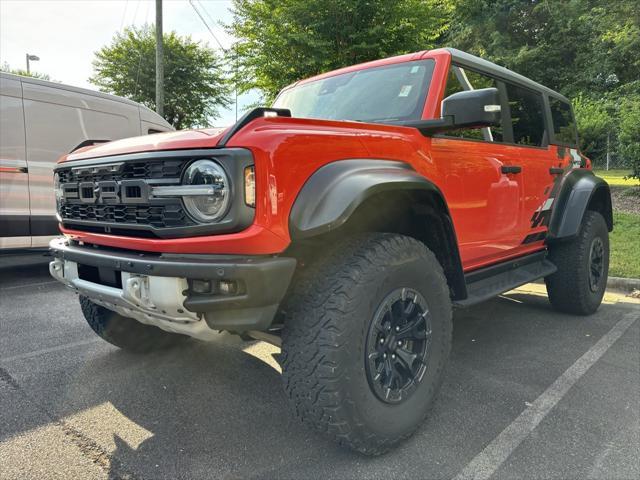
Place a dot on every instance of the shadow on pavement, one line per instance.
(213, 410)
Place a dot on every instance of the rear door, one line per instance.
(14, 180)
(536, 157)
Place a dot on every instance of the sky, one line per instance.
(66, 33)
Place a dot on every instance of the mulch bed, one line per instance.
(626, 199)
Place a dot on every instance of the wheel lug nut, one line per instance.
(384, 355)
(382, 340)
(399, 342)
(397, 329)
(393, 355)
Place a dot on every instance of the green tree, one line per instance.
(195, 84)
(596, 124)
(571, 46)
(589, 50)
(281, 41)
(629, 135)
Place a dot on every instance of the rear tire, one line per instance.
(337, 320)
(126, 333)
(583, 266)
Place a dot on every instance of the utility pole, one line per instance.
(159, 61)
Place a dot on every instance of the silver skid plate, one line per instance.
(152, 300)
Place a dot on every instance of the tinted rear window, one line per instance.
(564, 125)
(527, 116)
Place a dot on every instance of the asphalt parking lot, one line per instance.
(529, 394)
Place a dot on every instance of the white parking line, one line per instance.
(28, 285)
(494, 455)
(35, 353)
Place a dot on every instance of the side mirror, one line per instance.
(473, 108)
(468, 109)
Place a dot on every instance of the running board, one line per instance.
(492, 281)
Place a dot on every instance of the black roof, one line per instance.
(471, 61)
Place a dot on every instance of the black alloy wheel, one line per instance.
(596, 263)
(398, 345)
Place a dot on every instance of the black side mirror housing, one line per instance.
(468, 109)
(473, 108)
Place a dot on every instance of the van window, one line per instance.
(527, 116)
(564, 125)
(461, 79)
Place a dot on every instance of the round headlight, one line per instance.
(211, 206)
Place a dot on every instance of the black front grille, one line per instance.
(159, 169)
(123, 199)
(114, 194)
(158, 216)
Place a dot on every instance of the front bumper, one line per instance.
(158, 289)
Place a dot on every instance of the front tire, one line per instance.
(373, 297)
(583, 266)
(126, 333)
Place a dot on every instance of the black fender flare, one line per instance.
(579, 188)
(332, 194)
(334, 191)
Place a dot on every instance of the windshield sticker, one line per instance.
(405, 90)
(415, 69)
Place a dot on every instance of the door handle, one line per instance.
(511, 169)
(13, 169)
(556, 171)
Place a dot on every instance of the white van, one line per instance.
(39, 122)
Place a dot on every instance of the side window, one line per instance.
(527, 116)
(564, 125)
(461, 79)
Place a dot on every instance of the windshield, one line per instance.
(382, 94)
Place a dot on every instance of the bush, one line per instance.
(629, 136)
(595, 122)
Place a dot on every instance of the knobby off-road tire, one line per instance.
(572, 288)
(328, 333)
(124, 332)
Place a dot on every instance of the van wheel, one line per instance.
(124, 332)
(366, 338)
(583, 266)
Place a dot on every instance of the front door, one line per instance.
(483, 196)
(484, 187)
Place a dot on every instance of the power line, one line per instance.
(146, 18)
(135, 13)
(124, 14)
(206, 12)
(206, 25)
(219, 44)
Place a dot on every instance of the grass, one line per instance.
(625, 238)
(616, 177)
(625, 245)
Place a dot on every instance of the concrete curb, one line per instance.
(627, 285)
